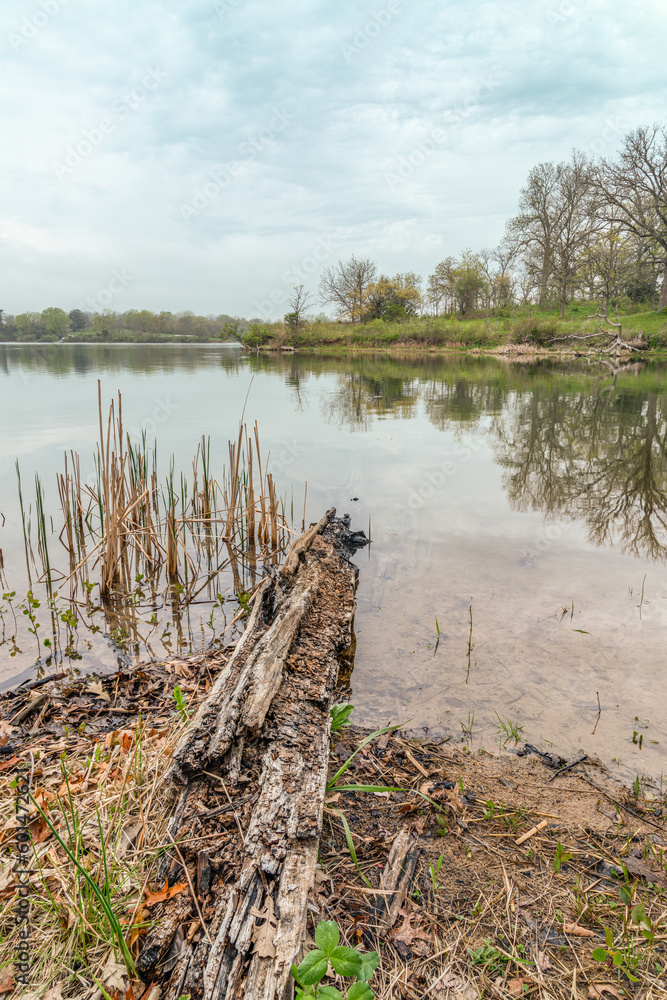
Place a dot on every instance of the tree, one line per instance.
(29, 326)
(634, 192)
(393, 298)
(298, 304)
(608, 263)
(458, 283)
(557, 219)
(77, 320)
(345, 286)
(55, 321)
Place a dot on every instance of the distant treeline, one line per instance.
(141, 325)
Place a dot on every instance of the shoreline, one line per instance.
(491, 870)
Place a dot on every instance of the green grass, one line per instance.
(526, 325)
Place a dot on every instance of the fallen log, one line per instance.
(247, 787)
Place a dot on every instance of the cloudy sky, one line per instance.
(210, 154)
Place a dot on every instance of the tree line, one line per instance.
(54, 324)
(595, 230)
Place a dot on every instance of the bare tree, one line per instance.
(558, 218)
(345, 286)
(634, 190)
(298, 304)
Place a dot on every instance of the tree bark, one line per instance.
(662, 302)
(250, 777)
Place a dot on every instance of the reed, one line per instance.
(150, 545)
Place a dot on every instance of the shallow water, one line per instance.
(533, 494)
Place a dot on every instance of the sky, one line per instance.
(211, 154)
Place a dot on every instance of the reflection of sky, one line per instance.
(427, 559)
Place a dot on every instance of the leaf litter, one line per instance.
(470, 914)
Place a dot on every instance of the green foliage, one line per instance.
(345, 962)
(256, 336)
(619, 958)
(180, 703)
(339, 716)
(561, 857)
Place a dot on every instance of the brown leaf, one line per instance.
(8, 763)
(597, 990)
(578, 931)
(166, 892)
(515, 986)
(263, 936)
(638, 867)
(96, 688)
(542, 961)
(406, 933)
(7, 979)
(5, 732)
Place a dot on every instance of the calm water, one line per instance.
(535, 495)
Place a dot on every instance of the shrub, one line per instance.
(534, 331)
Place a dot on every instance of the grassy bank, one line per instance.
(530, 328)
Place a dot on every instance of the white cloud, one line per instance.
(510, 83)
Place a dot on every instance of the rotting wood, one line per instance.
(253, 765)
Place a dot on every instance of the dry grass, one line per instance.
(97, 814)
(480, 915)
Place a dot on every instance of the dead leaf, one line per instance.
(8, 763)
(461, 990)
(55, 993)
(515, 986)
(114, 975)
(5, 732)
(96, 688)
(263, 936)
(7, 979)
(542, 961)
(638, 867)
(597, 990)
(578, 931)
(166, 892)
(406, 933)
(39, 830)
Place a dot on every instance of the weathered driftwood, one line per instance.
(249, 778)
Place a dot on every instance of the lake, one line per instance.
(518, 515)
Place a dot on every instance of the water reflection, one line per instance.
(600, 458)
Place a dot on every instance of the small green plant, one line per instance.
(490, 957)
(180, 700)
(489, 809)
(468, 726)
(339, 716)
(511, 729)
(345, 962)
(436, 871)
(616, 958)
(561, 857)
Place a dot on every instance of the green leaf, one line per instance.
(366, 788)
(609, 937)
(369, 963)
(329, 991)
(600, 955)
(295, 972)
(626, 895)
(350, 846)
(618, 958)
(339, 716)
(327, 936)
(372, 736)
(345, 961)
(360, 991)
(313, 968)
